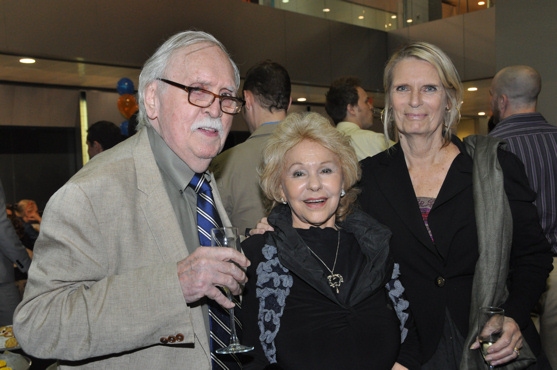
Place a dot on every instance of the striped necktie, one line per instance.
(219, 318)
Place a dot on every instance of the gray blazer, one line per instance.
(103, 288)
(11, 249)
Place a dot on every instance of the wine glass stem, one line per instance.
(233, 337)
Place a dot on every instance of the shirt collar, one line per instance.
(173, 166)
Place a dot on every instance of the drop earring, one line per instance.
(342, 193)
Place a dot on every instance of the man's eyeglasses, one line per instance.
(203, 98)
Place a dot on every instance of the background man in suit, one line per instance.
(349, 107)
(514, 96)
(11, 252)
(267, 94)
(120, 281)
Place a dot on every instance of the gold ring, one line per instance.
(517, 351)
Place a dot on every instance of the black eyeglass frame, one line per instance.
(241, 102)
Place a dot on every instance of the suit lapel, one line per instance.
(396, 185)
(155, 203)
(394, 182)
(458, 179)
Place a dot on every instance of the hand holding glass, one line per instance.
(490, 327)
(228, 237)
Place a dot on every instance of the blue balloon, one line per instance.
(124, 128)
(125, 86)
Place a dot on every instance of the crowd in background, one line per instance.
(362, 249)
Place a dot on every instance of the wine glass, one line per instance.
(228, 237)
(490, 328)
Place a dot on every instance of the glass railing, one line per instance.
(380, 14)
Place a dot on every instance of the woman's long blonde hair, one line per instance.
(447, 73)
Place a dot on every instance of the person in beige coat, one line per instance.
(267, 92)
(119, 280)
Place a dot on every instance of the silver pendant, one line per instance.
(335, 280)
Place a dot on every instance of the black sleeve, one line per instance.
(409, 355)
(253, 360)
(531, 259)
(10, 245)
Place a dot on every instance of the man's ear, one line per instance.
(248, 97)
(351, 110)
(97, 147)
(151, 100)
(502, 103)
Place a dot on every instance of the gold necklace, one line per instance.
(334, 279)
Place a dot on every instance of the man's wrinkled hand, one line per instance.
(208, 268)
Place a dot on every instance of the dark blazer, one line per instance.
(11, 249)
(438, 274)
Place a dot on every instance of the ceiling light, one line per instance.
(361, 17)
(481, 113)
(326, 10)
(481, 3)
(301, 99)
(393, 16)
(285, 1)
(409, 20)
(473, 88)
(27, 60)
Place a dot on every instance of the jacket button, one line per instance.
(180, 337)
(171, 339)
(440, 281)
(163, 340)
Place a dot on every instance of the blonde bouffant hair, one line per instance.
(294, 129)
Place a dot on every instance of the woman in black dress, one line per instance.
(322, 290)
(465, 230)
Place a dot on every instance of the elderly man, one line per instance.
(267, 93)
(349, 107)
(514, 96)
(119, 280)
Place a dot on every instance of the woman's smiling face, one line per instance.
(418, 98)
(311, 183)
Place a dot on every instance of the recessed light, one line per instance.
(361, 17)
(285, 1)
(301, 99)
(473, 88)
(326, 10)
(481, 3)
(393, 16)
(481, 113)
(409, 20)
(27, 60)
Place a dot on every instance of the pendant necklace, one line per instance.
(334, 279)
